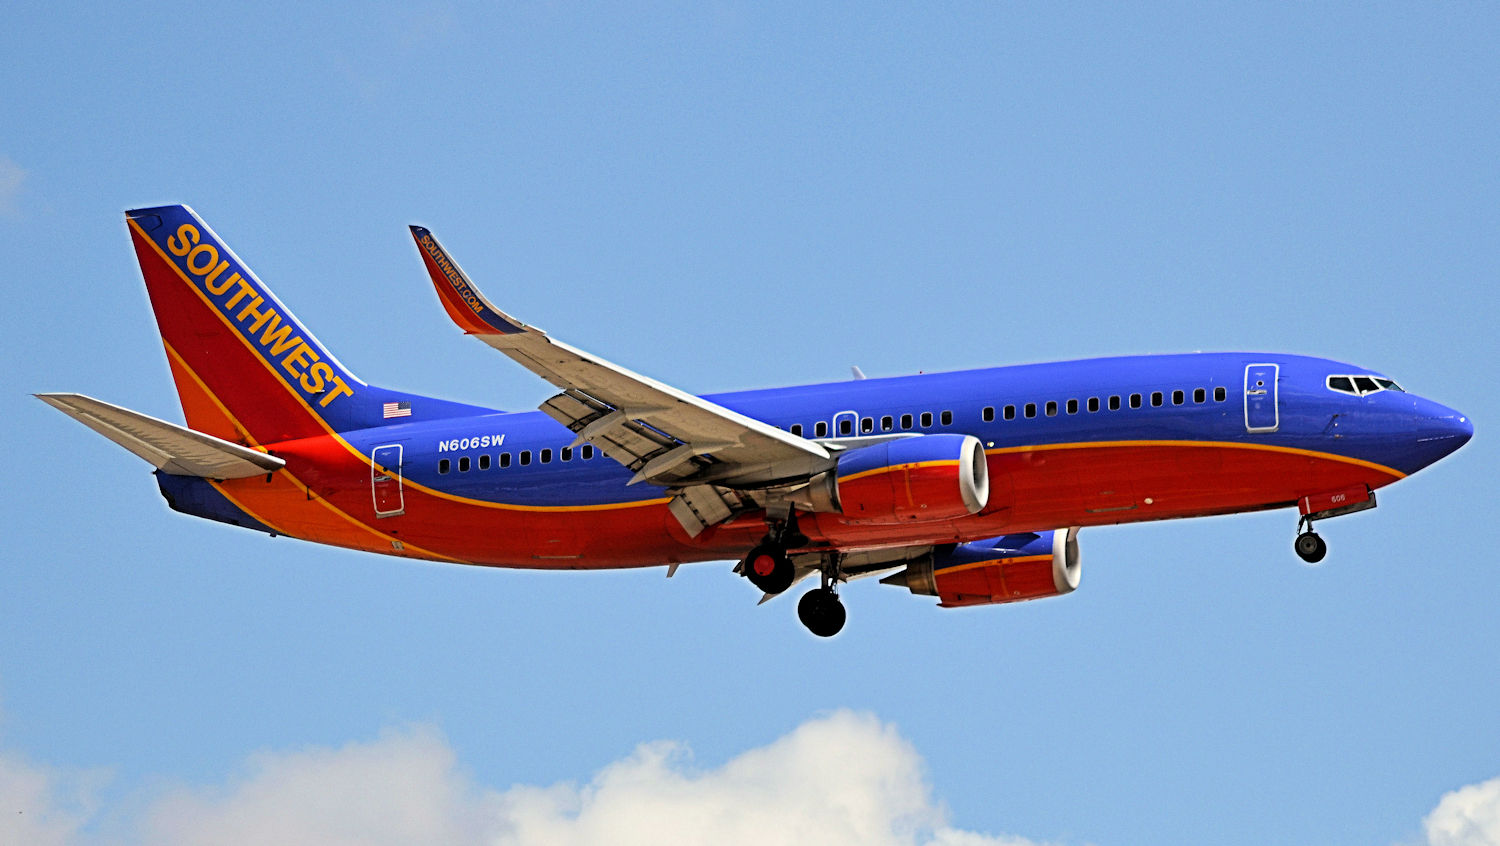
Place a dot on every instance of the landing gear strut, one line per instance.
(1309, 546)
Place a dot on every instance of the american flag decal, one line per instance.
(395, 409)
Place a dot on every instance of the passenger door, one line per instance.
(1261, 414)
(385, 480)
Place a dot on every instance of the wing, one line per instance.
(667, 436)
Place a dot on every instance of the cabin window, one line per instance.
(866, 425)
(1156, 399)
(546, 456)
(567, 453)
(463, 464)
(1051, 408)
(926, 419)
(1135, 400)
(443, 466)
(1178, 397)
(797, 429)
(1093, 404)
(906, 421)
(504, 460)
(1220, 394)
(588, 451)
(987, 414)
(846, 426)
(947, 418)
(1114, 402)
(1030, 409)
(887, 423)
(484, 462)
(1200, 395)
(525, 457)
(1010, 412)
(820, 429)
(1072, 406)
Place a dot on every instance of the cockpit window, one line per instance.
(1361, 385)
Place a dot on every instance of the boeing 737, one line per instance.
(968, 486)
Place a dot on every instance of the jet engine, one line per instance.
(1010, 568)
(931, 477)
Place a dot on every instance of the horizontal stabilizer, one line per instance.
(172, 449)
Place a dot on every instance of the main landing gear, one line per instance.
(1309, 546)
(768, 566)
(821, 611)
(770, 569)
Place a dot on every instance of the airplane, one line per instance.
(968, 486)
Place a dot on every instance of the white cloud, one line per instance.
(841, 779)
(39, 807)
(12, 177)
(1469, 816)
(845, 778)
(400, 788)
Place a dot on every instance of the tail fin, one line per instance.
(246, 369)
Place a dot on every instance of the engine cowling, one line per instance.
(932, 477)
(1010, 568)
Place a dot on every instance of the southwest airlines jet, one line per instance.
(968, 486)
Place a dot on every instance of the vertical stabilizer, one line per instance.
(246, 369)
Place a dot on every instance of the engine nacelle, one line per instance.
(1010, 568)
(931, 477)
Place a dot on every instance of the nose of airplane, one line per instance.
(1440, 431)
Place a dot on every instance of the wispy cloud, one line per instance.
(1469, 816)
(12, 179)
(42, 807)
(838, 780)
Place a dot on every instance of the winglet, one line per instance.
(463, 302)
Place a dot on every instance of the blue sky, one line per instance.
(738, 195)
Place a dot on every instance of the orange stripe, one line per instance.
(1310, 453)
(894, 468)
(975, 565)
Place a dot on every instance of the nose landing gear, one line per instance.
(1310, 547)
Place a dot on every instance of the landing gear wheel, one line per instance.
(769, 569)
(1310, 547)
(822, 612)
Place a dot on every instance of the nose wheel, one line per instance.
(1310, 547)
